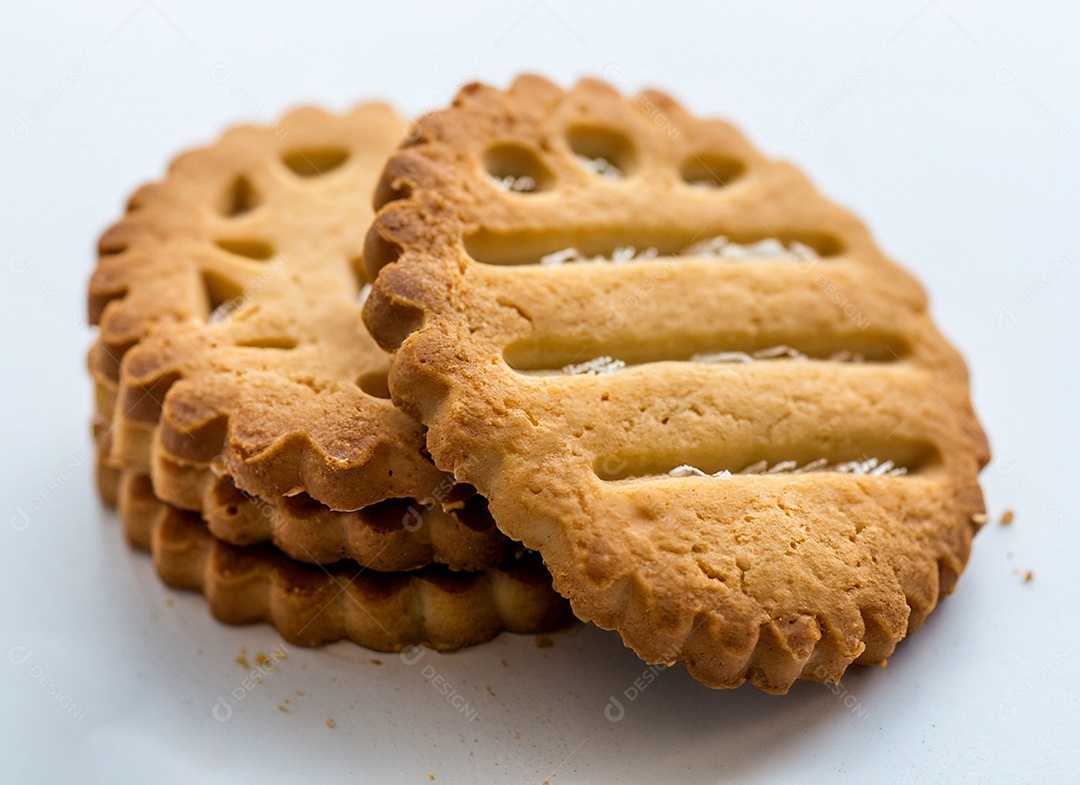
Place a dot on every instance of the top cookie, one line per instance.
(695, 385)
(227, 300)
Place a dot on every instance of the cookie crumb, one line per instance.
(241, 658)
(1007, 517)
(544, 642)
(283, 708)
(331, 724)
(490, 691)
(261, 659)
(375, 661)
(431, 777)
(1029, 576)
(505, 664)
(169, 602)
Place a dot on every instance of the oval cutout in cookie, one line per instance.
(221, 291)
(248, 247)
(602, 151)
(376, 384)
(240, 198)
(315, 161)
(710, 171)
(517, 168)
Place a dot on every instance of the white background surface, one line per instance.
(953, 128)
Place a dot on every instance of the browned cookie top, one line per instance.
(722, 415)
(230, 337)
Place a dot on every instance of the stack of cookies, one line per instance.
(589, 347)
(244, 426)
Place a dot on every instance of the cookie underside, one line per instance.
(313, 605)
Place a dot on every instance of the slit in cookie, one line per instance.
(709, 171)
(248, 247)
(269, 342)
(884, 458)
(873, 467)
(552, 249)
(534, 357)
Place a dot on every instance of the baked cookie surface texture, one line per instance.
(691, 382)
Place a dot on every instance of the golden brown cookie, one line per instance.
(227, 304)
(396, 534)
(232, 366)
(695, 385)
(312, 605)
